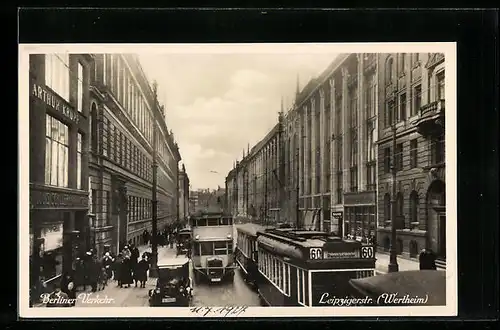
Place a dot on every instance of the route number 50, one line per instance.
(315, 253)
(367, 252)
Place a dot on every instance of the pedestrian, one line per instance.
(94, 272)
(68, 287)
(141, 273)
(117, 269)
(427, 260)
(79, 273)
(107, 263)
(126, 277)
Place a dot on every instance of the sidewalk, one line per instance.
(383, 262)
(127, 297)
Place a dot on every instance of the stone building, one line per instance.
(58, 164)
(125, 114)
(411, 97)
(331, 130)
(183, 194)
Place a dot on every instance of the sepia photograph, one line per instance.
(237, 180)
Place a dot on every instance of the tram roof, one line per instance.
(251, 229)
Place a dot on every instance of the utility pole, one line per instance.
(266, 167)
(153, 272)
(393, 260)
(297, 197)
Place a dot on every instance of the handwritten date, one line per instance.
(219, 311)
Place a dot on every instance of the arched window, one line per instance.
(402, 64)
(388, 70)
(387, 207)
(414, 207)
(399, 210)
(93, 127)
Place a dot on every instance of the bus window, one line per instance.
(212, 222)
(206, 248)
(201, 222)
(229, 247)
(230, 221)
(224, 221)
(220, 248)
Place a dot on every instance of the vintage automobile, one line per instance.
(183, 241)
(405, 288)
(174, 286)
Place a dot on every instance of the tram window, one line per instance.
(212, 222)
(286, 278)
(302, 285)
(207, 248)
(201, 222)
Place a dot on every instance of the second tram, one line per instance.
(307, 268)
(212, 246)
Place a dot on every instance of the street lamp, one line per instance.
(153, 272)
(393, 261)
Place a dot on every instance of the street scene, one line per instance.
(237, 179)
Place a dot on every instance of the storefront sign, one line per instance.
(337, 217)
(55, 102)
(340, 255)
(43, 198)
(52, 235)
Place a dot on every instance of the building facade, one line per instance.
(58, 170)
(254, 187)
(412, 98)
(125, 118)
(183, 194)
(331, 149)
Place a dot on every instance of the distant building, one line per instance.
(193, 201)
(184, 200)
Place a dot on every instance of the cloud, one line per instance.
(217, 104)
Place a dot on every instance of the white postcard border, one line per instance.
(448, 48)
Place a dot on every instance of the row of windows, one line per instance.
(437, 148)
(119, 148)
(123, 86)
(138, 208)
(245, 245)
(57, 154)
(276, 271)
(212, 248)
(58, 77)
(212, 222)
(402, 61)
(100, 207)
(403, 222)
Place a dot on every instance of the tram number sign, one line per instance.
(367, 252)
(316, 253)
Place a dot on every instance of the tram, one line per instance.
(212, 246)
(308, 268)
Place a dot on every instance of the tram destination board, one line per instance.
(364, 252)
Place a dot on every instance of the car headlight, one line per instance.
(157, 290)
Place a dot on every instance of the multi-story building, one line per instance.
(58, 171)
(125, 117)
(255, 185)
(331, 132)
(193, 201)
(183, 194)
(412, 99)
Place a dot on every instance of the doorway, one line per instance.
(436, 218)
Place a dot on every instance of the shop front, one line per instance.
(360, 215)
(57, 218)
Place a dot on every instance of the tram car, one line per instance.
(246, 249)
(307, 268)
(212, 246)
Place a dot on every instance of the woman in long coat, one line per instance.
(141, 272)
(126, 273)
(117, 269)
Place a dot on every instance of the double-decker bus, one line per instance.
(306, 268)
(212, 245)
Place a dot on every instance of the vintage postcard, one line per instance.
(237, 180)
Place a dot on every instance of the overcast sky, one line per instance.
(217, 104)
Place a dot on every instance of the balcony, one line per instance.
(430, 120)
